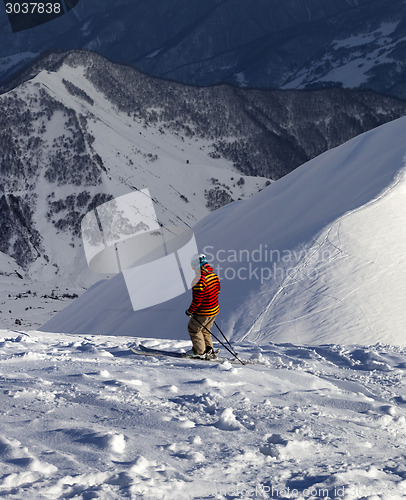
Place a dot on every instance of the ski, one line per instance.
(18, 331)
(149, 351)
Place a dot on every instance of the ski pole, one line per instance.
(225, 338)
(219, 341)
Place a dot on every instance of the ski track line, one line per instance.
(261, 315)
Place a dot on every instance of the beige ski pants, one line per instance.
(199, 336)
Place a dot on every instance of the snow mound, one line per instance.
(28, 468)
(285, 449)
(227, 421)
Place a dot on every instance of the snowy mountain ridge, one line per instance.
(260, 44)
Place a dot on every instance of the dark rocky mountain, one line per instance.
(255, 43)
(77, 130)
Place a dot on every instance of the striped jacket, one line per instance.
(205, 293)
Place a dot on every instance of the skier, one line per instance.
(203, 309)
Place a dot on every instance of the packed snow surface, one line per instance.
(84, 417)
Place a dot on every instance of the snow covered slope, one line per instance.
(317, 257)
(83, 417)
